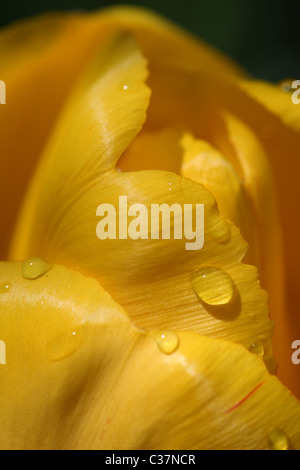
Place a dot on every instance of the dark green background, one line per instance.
(263, 36)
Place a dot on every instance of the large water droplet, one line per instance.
(278, 440)
(64, 345)
(34, 267)
(5, 287)
(167, 341)
(257, 348)
(213, 286)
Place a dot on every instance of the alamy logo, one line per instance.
(2, 353)
(155, 225)
(2, 92)
(296, 354)
(295, 99)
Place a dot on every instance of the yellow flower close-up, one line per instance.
(137, 343)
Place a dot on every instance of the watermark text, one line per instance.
(296, 354)
(155, 225)
(2, 352)
(2, 92)
(296, 84)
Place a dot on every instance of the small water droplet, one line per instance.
(286, 85)
(213, 286)
(64, 345)
(278, 440)
(129, 85)
(167, 341)
(5, 287)
(220, 231)
(34, 267)
(257, 348)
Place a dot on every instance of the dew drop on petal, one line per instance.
(167, 341)
(213, 286)
(64, 345)
(221, 232)
(129, 85)
(278, 440)
(5, 287)
(286, 85)
(257, 348)
(34, 267)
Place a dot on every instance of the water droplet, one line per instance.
(34, 267)
(262, 347)
(213, 286)
(64, 345)
(257, 348)
(278, 440)
(5, 287)
(286, 85)
(220, 231)
(167, 341)
(129, 85)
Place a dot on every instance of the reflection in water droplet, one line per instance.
(5, 287)
(34, 267)
(213, 286)
(167, 341)
(278, 440)
(64, 345)
(257, 348)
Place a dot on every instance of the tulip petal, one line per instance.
(163, 42)
(80, 375)
(104, 113)
(159, 150)
(275, 100)
(152, 278)
(258, 182)
(281, 146)
(206, 165)
(221, 93)
(256, 143)
(39, 69)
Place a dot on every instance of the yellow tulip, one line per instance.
(140, 344)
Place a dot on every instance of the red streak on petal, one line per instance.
(245, 398)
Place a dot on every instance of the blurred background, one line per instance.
(261, 35)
